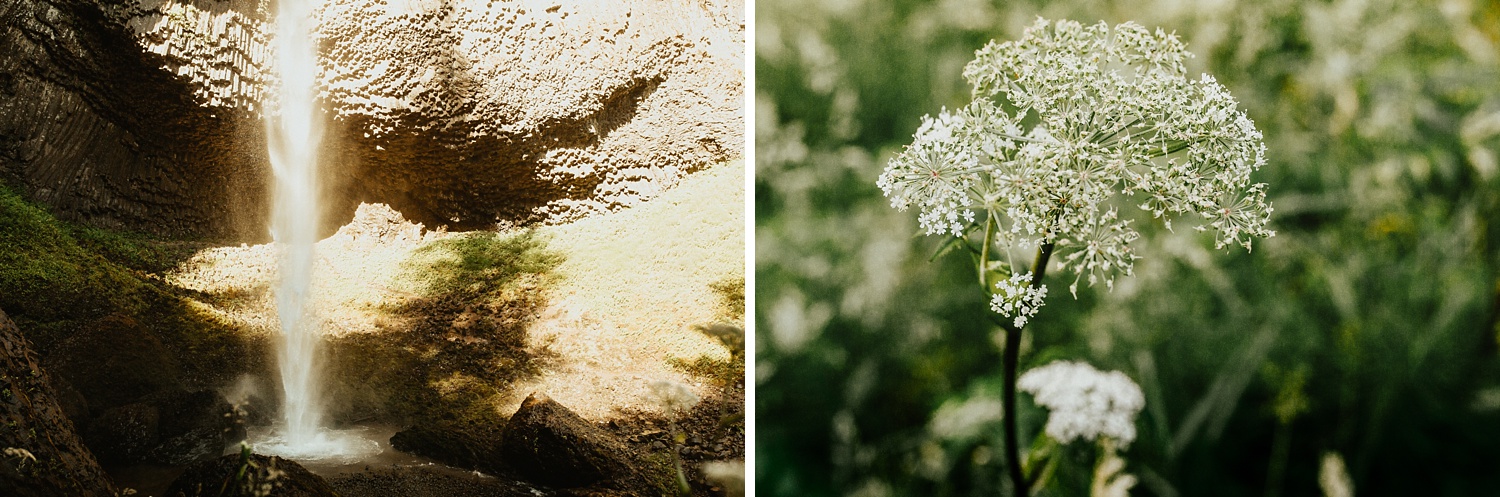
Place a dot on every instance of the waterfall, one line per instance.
(293, 135)
(294, 131)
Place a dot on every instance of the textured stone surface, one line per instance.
(171, 428)
(249, 475)
(146, 114)
(91, 125)
(454, 447)
(549, 444)
(54, 462)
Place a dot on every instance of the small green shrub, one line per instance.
(481, 265)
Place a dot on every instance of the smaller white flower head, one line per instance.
(1085, 402)
(673, 396)
(1015, 298)
(729, 475)
(967, 419)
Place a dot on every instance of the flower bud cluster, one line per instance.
(1015, 297)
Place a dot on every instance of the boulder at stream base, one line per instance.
(171, 428)
(263, 476)
(548, 444)
(40, 454)
(454, 447)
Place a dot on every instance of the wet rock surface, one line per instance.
(40, 453)
(169, 428)
(549, 444)
(146, 114)
(245, 475)
(453, 446)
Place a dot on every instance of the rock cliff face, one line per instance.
(146, 114)
(40, 454)
(91, 125)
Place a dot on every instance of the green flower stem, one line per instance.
(1011, 360)
(984, 254)
(1012, 354)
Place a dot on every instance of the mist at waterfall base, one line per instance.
(293, 133)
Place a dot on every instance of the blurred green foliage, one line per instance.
(1366, 327)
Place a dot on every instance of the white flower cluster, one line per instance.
(967, 419)
(728, 475)
(673, 396)
(1067, 125)
(1084, 401)
(1016, 298)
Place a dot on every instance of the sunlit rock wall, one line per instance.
(467, 113)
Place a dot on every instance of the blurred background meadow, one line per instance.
(1365, 333)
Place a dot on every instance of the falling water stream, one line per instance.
(294, 129)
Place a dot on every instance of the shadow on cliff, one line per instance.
(450, 350)
(96, 129)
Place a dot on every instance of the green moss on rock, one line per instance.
(46, 276)
(88, 299)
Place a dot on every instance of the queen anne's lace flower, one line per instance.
(935, 177)
(1016, 298)
(1104, 117)
(1085, 402)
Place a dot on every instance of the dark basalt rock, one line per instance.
(147, 115)
(262, 476)
(114, 361)
(124, 434)
(73, 404)
(195, 426)
(452, 446)
(547, 443)
(55, 463)
(171, 428)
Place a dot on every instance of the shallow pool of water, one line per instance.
(333, 452)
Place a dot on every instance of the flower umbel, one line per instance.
(1071, 123)
(1015, 297)
(1085, 402)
